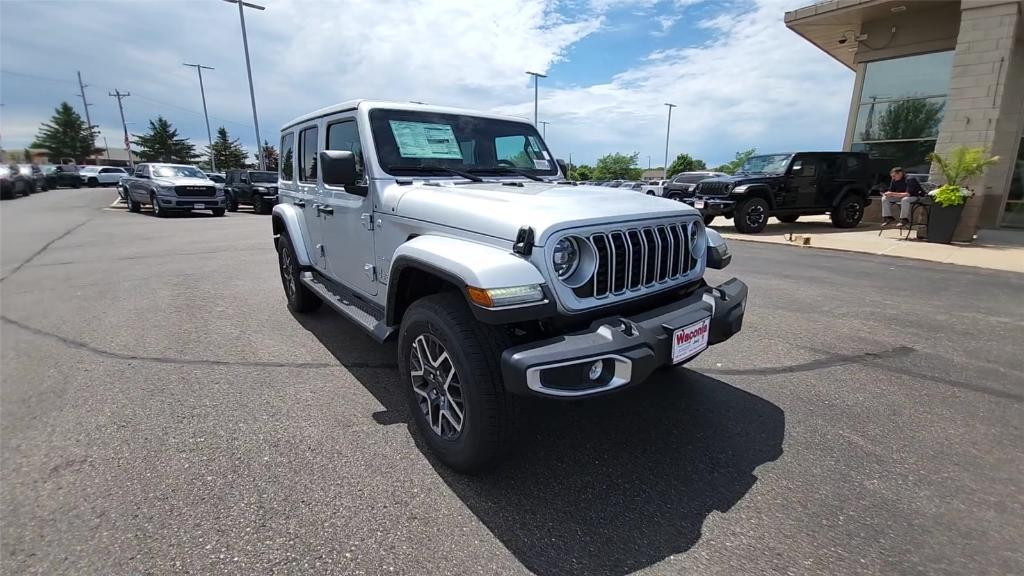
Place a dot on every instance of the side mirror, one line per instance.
(338, 167)
(718, 255)
(796, 170)
(563, 167)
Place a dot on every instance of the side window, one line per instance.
(853, 165)
(288, 157)
(517, 150)
(142, 170)
(307, 154)
(804, 166)
(345, 136)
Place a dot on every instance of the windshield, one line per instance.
(89, 169)
(265, 177)
(407, 139)
(179, 171)
(770, 164)
(48, 169)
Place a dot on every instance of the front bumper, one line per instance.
(185, 203)
(630, 349)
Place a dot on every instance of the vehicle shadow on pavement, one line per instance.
(605, 486)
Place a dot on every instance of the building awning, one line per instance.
(833, 25)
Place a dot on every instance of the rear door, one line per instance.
(307, 192)
(347, 213)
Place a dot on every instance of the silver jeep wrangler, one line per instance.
(454, 231)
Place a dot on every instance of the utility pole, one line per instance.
(199, 68)
(569, 175)
(127, 143)
(536, 76)
(544, 130)
(106, 148)
(85, 104)
(248, 70)
(668, 130)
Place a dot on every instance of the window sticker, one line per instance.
(541, 165)
(423, 140)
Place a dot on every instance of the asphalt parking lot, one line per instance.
(163, 412)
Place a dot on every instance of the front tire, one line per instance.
(158, 211)
(217, 211)
(709, 219)
(849, 212)
(450, 364)
(751, 216)
(258, 205)
(301, 299)
(231, 203)
(93, 182)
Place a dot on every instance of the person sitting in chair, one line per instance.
(903, 191)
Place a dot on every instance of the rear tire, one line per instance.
(675, 196)
(133, 205)
(751, 216)
(788, 219)
(849, 212)
(301, 299)
(488, 413)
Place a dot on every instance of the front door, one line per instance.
(347, 214)
(801, 183)
(307, 194)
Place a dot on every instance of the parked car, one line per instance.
(8, 177)
(788, 186)
(58, 175)
(34, 176)
(653, 187)
(681, 185)
(101, 175)
(613, 183)
(171, 188)
(496, 282)
(255, 188)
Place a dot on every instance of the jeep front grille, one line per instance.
(635, 259)
(713, 188)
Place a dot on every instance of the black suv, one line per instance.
(681, 185)
(254, 187)
(788, 186)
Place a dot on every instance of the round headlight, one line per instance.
(566, 257)
(698, 240)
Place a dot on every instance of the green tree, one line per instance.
(685, 163)
(228, 154)
(617, 167)
(66, 135)
(269, 156)
(908, 119)
(162, 144)
(734, 165)
(582, 172)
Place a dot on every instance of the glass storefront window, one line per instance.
(1013, 213)
(902, 103)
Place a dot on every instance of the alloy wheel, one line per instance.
(755, 216)
(436, 382)
(288, 272)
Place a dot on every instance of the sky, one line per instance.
(739, 77)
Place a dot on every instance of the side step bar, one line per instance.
(347, 304)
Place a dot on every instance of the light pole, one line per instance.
(199, 68)
(536, 77)
(668, 130)
(544, 129)
(248, 70)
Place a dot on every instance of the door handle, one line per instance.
(300, 203)
(325, 210)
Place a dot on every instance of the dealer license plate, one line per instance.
(698, 203)
(690, 340)
(199, 206)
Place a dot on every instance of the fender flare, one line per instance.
(460, 262)
(287, 219)
(847, 191)
(760, 191)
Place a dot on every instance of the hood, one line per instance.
(182, 181)
(745, 178)
(499, 209)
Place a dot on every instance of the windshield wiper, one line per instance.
(435, 169)
(505, 170)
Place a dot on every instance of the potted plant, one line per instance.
(958, 168)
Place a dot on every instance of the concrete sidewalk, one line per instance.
(994, 249)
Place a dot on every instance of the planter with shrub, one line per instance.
(958, 167)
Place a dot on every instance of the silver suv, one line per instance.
(449, 230)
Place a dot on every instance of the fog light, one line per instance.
(595, 370)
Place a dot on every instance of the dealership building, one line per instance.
(931, 76)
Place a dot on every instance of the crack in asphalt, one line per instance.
(44, 247)
(78, 345)
(870, 358)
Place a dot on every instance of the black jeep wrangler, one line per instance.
(253, 187)
(788, 186)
